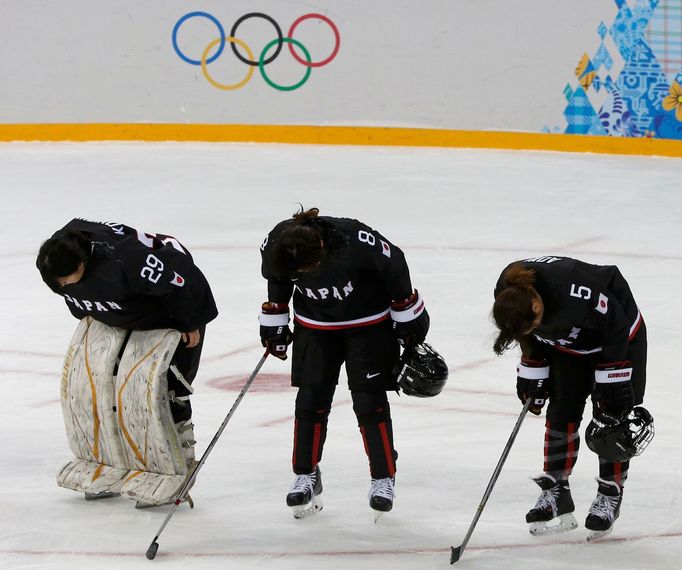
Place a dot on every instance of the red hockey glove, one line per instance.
(613, 392)
(410, 319)
(531, 382)
(275, 334)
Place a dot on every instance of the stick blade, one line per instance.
(151, 551)
(455, 554)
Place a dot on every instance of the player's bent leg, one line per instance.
(374, 420)
(553, 511)
(313, 406)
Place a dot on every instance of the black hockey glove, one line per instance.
(275, 334)
(532, 382)
(613, 392)
(410, 320)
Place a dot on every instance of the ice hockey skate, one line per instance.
(304, 495)
(604, 510)
(381, 493)
(553, 511)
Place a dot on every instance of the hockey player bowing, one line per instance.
(136, 281)
(580, 334)
(353, 302)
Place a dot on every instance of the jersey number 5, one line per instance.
(581, 292)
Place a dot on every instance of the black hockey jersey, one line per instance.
(354, 285)
(589, 309)
(137, 280)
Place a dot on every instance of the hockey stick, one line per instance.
(456, 553)
(154, 546)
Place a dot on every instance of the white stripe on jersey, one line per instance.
(633, 330)
(340, 324)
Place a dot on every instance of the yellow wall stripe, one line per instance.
(301, 134)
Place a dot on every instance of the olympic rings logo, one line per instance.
(263, 58)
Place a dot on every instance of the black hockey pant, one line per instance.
(373, 413)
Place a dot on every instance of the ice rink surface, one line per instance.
(460, 216)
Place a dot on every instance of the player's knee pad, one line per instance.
(314, 404)
(371, 407)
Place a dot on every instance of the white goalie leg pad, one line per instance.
(152, 443)
(90, 477)
(88, 407)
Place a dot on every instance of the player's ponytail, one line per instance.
(305, 217)
(513, 308)
(300, 245)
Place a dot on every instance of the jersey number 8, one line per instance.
(366, 237)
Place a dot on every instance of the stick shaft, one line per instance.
(456, 553)
(193, 475)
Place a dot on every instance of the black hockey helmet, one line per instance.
(421, 371)
(617, 439)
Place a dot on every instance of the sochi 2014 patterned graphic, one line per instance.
(213, 48)
(632, 85)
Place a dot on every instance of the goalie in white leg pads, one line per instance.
(131, 281)
(121, 428)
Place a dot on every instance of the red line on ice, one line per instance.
(308, 554)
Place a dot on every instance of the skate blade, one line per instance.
(378, 515)
(597, 535)
(557, 525)
(307, 510)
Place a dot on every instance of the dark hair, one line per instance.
(299, 246)
(61, 255)
(513, 308)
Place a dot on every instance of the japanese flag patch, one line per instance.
(602, 304)
(385, 248)
(178, 280)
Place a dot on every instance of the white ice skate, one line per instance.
(604, 510)
(553, 511)
(304, 495)
(381, 494)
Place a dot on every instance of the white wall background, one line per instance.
(460, 64)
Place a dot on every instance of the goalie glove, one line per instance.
(275, 333)
(613, 392)
(531, 382)
(410, 319)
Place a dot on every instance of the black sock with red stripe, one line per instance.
(562, 443)
(614, 471)
(374, 420)
(310, 427)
